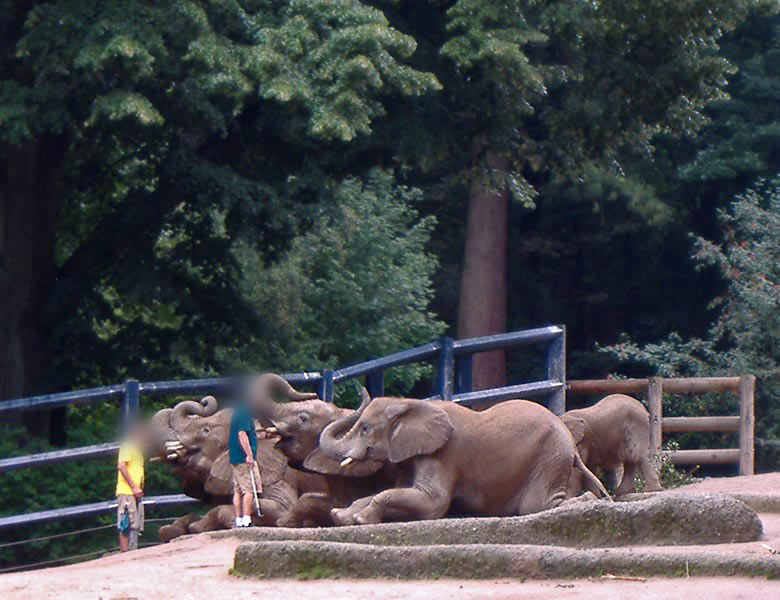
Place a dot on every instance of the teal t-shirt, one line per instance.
(241, 421)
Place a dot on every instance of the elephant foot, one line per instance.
(289, 520)
(367, 516)
(342, 516)
(584, 497)
(653, 487)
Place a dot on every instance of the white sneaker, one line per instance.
(247, 521)
(239, 521)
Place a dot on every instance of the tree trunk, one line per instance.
(28, 193)
(482, 309)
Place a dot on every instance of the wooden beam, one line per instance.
(606, 386)
(655, 394)
(699, 385)
(675, 424)
(747, 390)
(704, 457)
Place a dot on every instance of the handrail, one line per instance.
(511, 392)
(392, 360)
(502, 340)
(86, 510)
(58, 456)
(63, 399)
(452, 382)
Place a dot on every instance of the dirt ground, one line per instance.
(197, 568)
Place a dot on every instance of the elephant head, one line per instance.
(298, 424)
(388, 430)
(192, 437)
(260, 391)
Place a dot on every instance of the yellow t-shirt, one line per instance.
(130, 453)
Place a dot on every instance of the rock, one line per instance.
(316, 560)
(663, 519)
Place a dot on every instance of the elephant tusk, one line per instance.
(172, 445)
(271, 430)
(156, 458)
(347, 461)
(173, 456)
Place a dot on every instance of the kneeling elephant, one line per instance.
(513, 459)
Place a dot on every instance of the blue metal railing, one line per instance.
(453, 382)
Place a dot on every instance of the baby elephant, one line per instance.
(612, 433)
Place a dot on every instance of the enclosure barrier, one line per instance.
(452, 382)
(654, 387)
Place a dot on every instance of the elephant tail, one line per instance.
(589, 481)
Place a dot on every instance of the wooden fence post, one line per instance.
(655, 394)
(445, 371)
(747, 391)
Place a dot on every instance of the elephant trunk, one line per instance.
(260, 395)
(183, 410)
(272, 382)
(332, 438)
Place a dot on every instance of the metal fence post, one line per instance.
(445, 370)
(556, 372)
(130, 403)
(747, 391)
(325, 389)
(655, 394)
(375, 384)
(463, 368)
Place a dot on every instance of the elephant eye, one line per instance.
(206, 430)
(364, 430)
(303, 417)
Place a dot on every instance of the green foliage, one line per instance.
(743, 337)
(336, 59)
(671, 476)
(356, 285)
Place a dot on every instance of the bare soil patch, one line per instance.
(198, 567)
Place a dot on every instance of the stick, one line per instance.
(623, 577)
(254, 489)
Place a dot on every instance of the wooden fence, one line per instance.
(654, 388)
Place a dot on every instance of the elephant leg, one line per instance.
(630, 470)
(272, 511)
(406, 503)
(649, 474)
(346, 515)
(219, 517)
(311, 507)
(178, 528)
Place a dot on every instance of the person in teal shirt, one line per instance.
(242, 451)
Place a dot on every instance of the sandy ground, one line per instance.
(766, 483)
(196, 568)
(191, 570)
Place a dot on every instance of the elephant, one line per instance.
(192, 439)
(219, 517)
(612, 434)
(514, 458)
(298, 426)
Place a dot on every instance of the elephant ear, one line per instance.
(273, 464)
(416, 427)
(320, 462)
(577, 427)
(220, 479)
